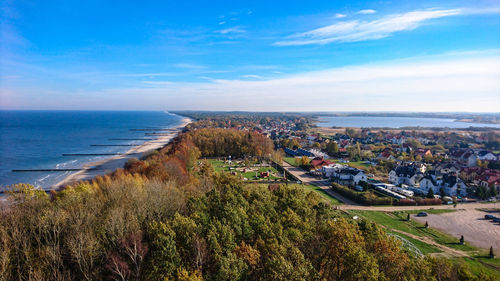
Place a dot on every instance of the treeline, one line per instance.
(223, 142)
(250, 120)
(171, 217)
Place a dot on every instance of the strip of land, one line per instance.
(108, 165)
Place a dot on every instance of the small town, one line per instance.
(405, 165)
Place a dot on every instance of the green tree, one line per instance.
(430, 193)
(332, 148)
(493, 191)
(344, 255)
(164, 258)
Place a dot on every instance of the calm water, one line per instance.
(396, 122)
(37, 140)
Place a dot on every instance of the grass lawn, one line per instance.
(431, 211)
(481, 263)
(322, 193)
(357, 164)
(423, 247)
(290, 160)
(397, 221)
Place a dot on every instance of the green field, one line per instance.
(290, 160)
(481, 263)
(220, 166)
(357, 164)
(322, 193)
(422, 246)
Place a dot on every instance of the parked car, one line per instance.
(495, 219)
(488, 217)
(422, 214)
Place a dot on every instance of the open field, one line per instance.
(250, 173)
(322, 193)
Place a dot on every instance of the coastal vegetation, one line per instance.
(171, 216)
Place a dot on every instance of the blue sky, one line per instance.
(251, 55)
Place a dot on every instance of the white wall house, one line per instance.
(452, 185)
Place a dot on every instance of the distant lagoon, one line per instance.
(395, 122)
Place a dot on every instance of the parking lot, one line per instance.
(470, 223)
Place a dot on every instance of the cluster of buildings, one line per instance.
(450, 172)
(339, 173)
(441, 179)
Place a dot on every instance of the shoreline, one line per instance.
(109, 165)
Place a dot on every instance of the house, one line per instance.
(488, 181)
(447, 168)
(451, 184)
(422, 152)
(485, 155)
(398, 139)
(303, 152)
(386, 156)
(328, 171)
(318, 153)
(407, 173)
(464, 157)
(319, 162)
(349, 176)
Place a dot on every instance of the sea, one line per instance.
(38, 140)
(395, 122)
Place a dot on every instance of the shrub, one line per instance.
(429, 201)
(405, 202)
(365, 198)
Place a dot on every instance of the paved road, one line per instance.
(350, 205)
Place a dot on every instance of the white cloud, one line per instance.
(253, 76)
(222, 22)
(366, 12)
(356, 30)
(464, 84)
(338, 15)
(236, 29)
(156, 74)
(189, 66)
(158, 82)
(451, 82)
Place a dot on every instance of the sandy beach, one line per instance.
(110, 164)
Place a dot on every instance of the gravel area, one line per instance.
(470, 223)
